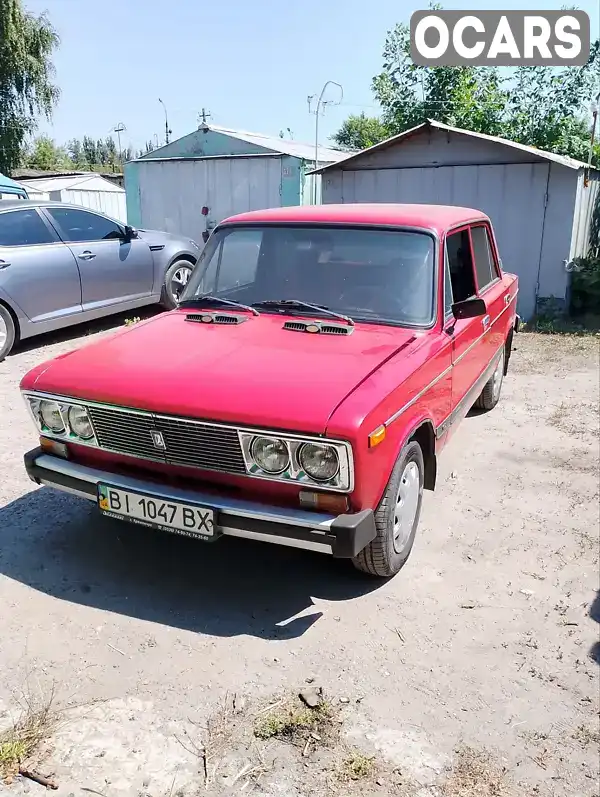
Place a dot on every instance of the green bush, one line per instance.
(585, 286)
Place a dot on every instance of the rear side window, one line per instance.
(484, 262)
(460, 261)
(23, 228)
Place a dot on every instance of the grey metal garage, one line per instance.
(540, 204)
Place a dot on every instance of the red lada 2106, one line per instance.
(301, 393)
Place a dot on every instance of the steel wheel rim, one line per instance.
(407, 502)
(497, 377)
(3, 333)
(179, 280)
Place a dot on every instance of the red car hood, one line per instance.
(254, 373)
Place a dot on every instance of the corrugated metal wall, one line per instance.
(112, 203)
(172, 192)
(586, 224)
(533, 231)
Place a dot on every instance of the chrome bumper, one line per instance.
(343, 536)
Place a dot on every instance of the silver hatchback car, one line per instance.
(63, 264)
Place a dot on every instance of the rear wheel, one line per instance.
(176, 279)
(397, 516)
(7, 332)
(490, 395)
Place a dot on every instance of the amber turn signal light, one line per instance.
(49, 446)
(324, 501)
(376, 437)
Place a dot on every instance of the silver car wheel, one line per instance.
(179, 280)
(407, 503)
(497, 377)
(3, 333)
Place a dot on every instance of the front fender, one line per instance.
(165, 258)
(22, 319)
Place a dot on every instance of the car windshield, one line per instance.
(384, 276)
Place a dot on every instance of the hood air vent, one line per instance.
(216, 318)
(316, 327)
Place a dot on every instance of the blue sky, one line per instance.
(251, 64)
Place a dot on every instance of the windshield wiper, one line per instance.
(316, 308)
(208, 299)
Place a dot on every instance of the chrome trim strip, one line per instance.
(422, 392)
(227, 506)
(320, 547)
(414, 399)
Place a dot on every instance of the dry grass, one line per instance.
(475, 774)
(586, 736)
(294, 722)
(38, 720)
(356, 766)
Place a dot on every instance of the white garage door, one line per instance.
(513, 196)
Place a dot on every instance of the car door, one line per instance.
(114, 269)
(468, 359)
(37, 270)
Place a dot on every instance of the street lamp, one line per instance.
(167, 131)
(319, 103)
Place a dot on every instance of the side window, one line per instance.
(234, 262)
(79, 225)
(484, 259)
(460, 261)
(448, 298)
(23, 228)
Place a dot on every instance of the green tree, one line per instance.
(27, 43)
(359, 132)
(45, 154)
(90, 151)
(76, 155)
(540, 106)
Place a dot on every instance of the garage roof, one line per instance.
(432, 124)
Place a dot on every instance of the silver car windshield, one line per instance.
(367, 274)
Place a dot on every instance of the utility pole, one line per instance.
(321, 104)
(594, 107)
(118, 129)
(167, 131)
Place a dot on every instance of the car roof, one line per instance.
(11, 204)
(436, 218)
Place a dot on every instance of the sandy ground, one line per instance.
(487, 638)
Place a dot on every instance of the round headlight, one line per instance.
(80, 423)
(320, 462)
(51, 417)
(270, 454)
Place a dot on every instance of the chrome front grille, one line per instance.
(190, 443)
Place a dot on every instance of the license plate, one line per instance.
(190, 520)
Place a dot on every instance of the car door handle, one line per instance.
(87, 255)
(4, 264)
(485, 321)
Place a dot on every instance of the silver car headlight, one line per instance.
(270, 454)
(327, 464)
(321, 462)
(51, 416)
(80, 423)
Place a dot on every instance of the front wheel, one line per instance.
(176, 279)
(397, 516)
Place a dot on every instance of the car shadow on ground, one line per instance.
(61, 546)
(80, 331)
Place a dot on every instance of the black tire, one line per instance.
(381, 557)
(167, 298)
(490, 395)
(6, 343)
